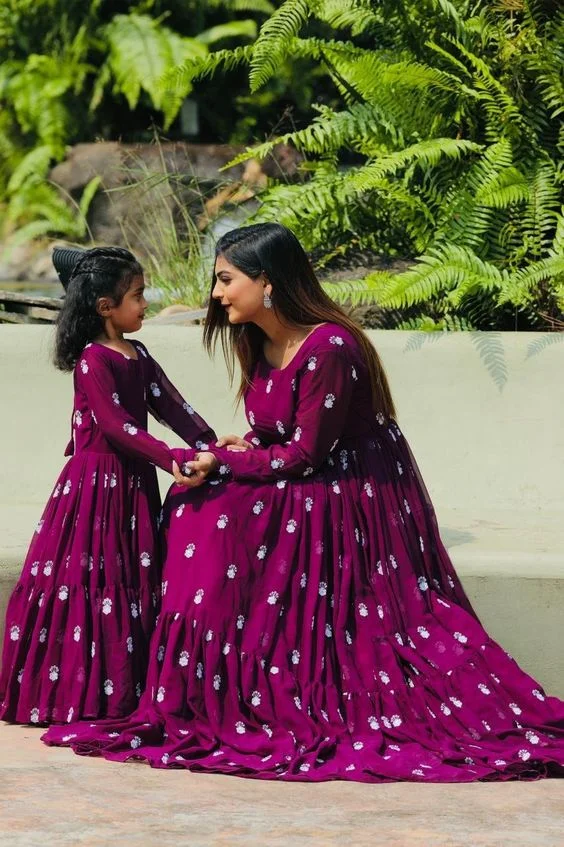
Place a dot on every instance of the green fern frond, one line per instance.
(425, 153)
(34, 165)
(358, 292)
(520, 286)
(273, 39)
(232, 29)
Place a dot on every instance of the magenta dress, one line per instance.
(80, 618)
(312, 625)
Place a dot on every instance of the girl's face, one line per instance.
(128, 316)
(241, 296)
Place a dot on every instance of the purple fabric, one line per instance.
(312, 626)
(80, 618)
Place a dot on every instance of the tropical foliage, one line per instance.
(446, 146)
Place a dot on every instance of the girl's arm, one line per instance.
(168, 407)
(322, 408)
(95, 378)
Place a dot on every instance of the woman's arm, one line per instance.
(322, 408)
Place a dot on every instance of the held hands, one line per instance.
(197, 471)
(234, 443)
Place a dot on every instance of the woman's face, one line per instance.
(241, 296)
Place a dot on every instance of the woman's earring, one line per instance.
(267, 300)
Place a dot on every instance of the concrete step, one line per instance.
(52, 798)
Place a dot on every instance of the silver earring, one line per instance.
(267, 300)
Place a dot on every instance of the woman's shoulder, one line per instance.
(332, 337)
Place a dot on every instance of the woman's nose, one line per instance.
(217, 291)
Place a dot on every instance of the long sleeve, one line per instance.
(94, 377)
(322, 407)
(168, 407)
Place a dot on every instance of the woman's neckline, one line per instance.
(118, 352)
(298, 351)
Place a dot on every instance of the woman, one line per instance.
(312, 625)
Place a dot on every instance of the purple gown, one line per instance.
(80, 618)
(312, 625)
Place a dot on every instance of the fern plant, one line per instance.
(446, 147)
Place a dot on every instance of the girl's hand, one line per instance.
(204, 464)
(180, 478)
(234, 443)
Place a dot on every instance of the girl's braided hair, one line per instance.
(100, 272)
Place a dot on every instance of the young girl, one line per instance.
(80, 618)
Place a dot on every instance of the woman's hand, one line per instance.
(203, 464)
(234, 443)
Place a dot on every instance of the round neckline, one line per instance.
(310, 334)
(118, 352)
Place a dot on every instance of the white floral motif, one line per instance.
(63, 592)
(129, 644)
(93, 649)
(209, 635)
(329, 401)
(84, 366)
(280, 427)
(67, 486)
(322, 589)
(269, 386)
(160, 694)
(132, 522)
(115, 398)
(483, 688)
(53, 673)
(135, 742)
(155, 390)
(393, 562)
(256, 698)
(145, 560)
(532, 737)
(14, 632)
(129, 428)
(217, 682)
(188, 408)
(34, 568)
(311, 363)
(78, 417)
(303, 580)
(276, 463)
(456, 702)
(423, 584)
(48, 568)
(363, 610)
(291, 526)
(536, 693)
(445, 709)
(198, 596)
(423, 631)
(328, 631)
(200, 670)
(261, 552)
(134, 610)
(232, 571)
(76, 633)
(108, 687)
(354, 373)
(34, 716)
(297, 433)
(308, 504)
(524, 755)
(222, 521)
(189, 551)
(184, 658)
(515, 708)
(240, 621)
(106, 606)
(240, 728)
(42, 635)
(258, 507)
(295, 657)
(272, 598)
(460, 637)
(336, 339)
(348, 637)
(336, 487)
(384, 677)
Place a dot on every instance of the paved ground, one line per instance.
(52, 798)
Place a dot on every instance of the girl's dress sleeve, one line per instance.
(322, 407)
(169, 407)
(95, 378)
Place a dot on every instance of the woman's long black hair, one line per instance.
(297, 297)
(100, 272)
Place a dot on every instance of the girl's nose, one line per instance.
(216, 293)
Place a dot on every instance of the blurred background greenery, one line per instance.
(415, 146)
